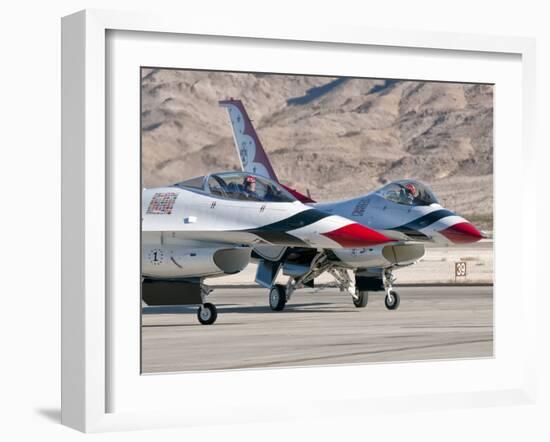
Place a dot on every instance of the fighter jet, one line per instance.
(406, 211)
(207, 226)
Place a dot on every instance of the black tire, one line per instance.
(361, 300)
(395, 304)
(207, 314)
(277, 297)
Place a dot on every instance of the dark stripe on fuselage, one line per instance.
(412, 228)
(276, 233)
(279, 238)
(297, 221)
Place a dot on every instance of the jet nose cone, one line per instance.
(356, 235)
(462, 233)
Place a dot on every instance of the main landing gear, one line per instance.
(361, 299)
(280, 294)
(346, 282)
(277, 297)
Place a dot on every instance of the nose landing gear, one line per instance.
(207, 312)
(392, 297)
(156, 292)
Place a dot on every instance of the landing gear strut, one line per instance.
(392, 297)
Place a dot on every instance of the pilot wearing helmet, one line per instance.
(249, 186)
(411, 193)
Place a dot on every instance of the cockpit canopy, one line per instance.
(408, 192)
(239, 186)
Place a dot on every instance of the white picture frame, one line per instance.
(87, 211)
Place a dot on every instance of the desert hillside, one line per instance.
(337, 137)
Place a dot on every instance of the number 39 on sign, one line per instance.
(460, 268)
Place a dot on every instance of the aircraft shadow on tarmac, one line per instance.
(231, 308)
(185, 325)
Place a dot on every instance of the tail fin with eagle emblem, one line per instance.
(251, 153)
(249, 147)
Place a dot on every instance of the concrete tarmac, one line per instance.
(319, 327)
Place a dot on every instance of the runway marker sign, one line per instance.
(460, 268)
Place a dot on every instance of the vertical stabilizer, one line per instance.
(249, 147)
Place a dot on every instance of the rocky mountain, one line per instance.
(337, 137)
